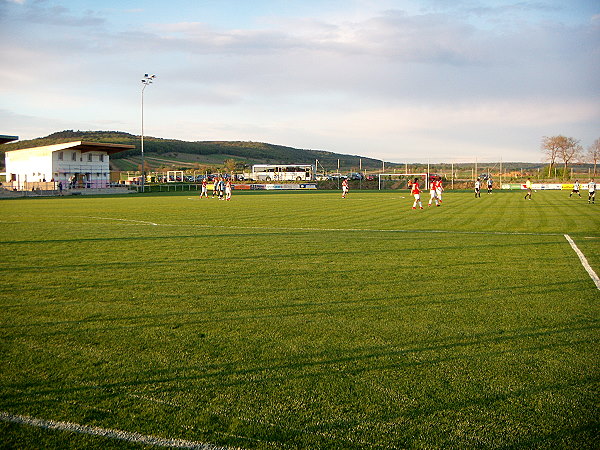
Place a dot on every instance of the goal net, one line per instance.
(390, 181)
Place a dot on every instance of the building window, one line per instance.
(101, 156)
(74, 156)
(60, 156)
(89, 157)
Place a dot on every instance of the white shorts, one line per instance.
(433, 193)
(417, 197)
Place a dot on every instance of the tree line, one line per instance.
(568, 150)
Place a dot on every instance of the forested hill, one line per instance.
(250, 152)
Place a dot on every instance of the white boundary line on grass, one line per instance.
(123, 220)
(373, 230)
(107, 433)
(584, 261)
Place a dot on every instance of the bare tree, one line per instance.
(570, 151)
(560, 147)
(550, 146)
(593, 154)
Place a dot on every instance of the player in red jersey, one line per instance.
(344, 187)
(204, 192)
(416, 192)
(439, 189)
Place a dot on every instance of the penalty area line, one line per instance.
(584, 261)
(318, 230)
(107, 433)
(143, 222)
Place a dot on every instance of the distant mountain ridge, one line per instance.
(249, 152)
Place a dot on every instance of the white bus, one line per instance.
(282, 172)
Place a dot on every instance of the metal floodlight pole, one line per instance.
(148, 79)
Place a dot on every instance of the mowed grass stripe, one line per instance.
(312, 339)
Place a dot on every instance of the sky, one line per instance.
(398, 80)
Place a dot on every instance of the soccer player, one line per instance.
(228, 190)
(344, 187)
(478, 188)
(489, 184)
(439, 189)
(416, 192)
(433, 193)
(575, 189)
(528, 187)
(204, 191)
(591, 191)
(221, 188)
(215, 187)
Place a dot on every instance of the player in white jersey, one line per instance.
(592, 191)
(215, 187)
(433, 193)
(477, 188)
(228, 190)
(575, 189)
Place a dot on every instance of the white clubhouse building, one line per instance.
(75, 164)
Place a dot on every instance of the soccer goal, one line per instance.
(174, 176)
(402, 180)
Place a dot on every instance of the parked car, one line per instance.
(355, 176)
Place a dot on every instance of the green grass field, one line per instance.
(301, 320)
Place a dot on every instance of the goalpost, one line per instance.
(400, 180)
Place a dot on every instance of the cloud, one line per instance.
(46, 13)
(393, 35)
(417, 80)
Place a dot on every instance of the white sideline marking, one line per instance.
(107, 432)
(584, 262)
